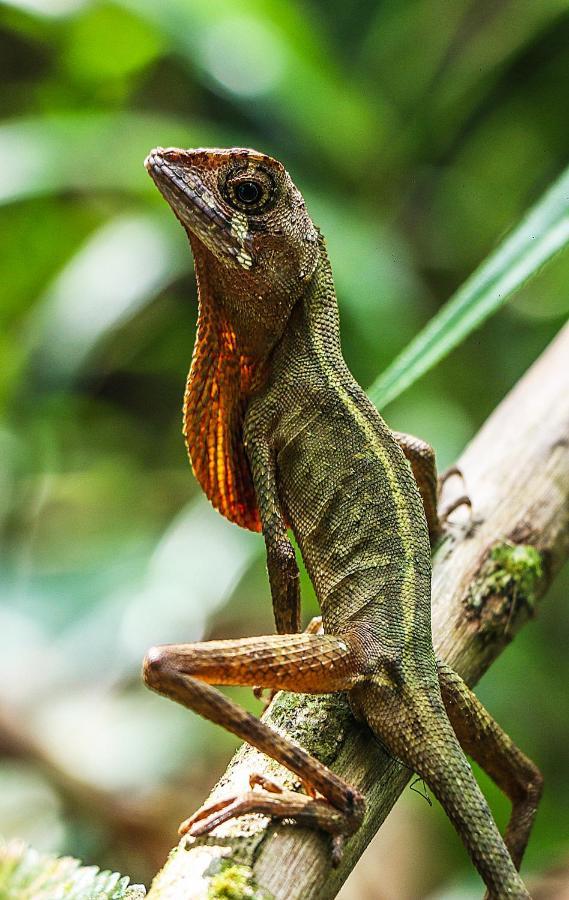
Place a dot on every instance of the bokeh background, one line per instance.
(419, 132)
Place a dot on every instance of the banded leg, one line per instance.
(304, 663)
(313, 627)
(483, 739)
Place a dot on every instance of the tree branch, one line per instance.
(487, 580)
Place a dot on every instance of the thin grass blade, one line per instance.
(542, 233)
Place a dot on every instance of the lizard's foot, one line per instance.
(274, 801)
(462, 500)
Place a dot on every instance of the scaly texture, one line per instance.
(295, 441)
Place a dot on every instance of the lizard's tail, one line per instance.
(415, 729)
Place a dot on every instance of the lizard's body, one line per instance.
(280, 433)
(345, 487)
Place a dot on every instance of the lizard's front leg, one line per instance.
(304, 663)
(421, 457)
(281, 560)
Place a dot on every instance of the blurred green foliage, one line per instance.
(26, 874)
(419, 132)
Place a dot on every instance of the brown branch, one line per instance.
(487, 579)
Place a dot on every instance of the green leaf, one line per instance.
(26, 874)
(542, 233)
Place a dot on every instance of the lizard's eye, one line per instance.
(248, 192)
(251, 193)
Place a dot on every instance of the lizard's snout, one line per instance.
(153, 158)
(197, 205)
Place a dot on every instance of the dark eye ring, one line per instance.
(249, 193)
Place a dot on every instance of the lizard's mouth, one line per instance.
(196, 207)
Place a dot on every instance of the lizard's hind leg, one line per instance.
(313, 627)
(483, 739)
(298, 662)
(410, 720)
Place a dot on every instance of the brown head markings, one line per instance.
(254, 248)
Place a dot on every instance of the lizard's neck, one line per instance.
(320, 317)
(250, 305)
(241, 319)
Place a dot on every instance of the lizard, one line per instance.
(281, 436)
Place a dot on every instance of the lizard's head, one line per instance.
(255, 252)
(243, 207)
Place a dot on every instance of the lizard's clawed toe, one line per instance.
(267, 698)
(206, 818)
(258, 780)
(463, 500)
(338, 844)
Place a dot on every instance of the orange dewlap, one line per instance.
(214, 404)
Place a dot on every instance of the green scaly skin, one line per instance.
(280, 434)
(357, 515)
